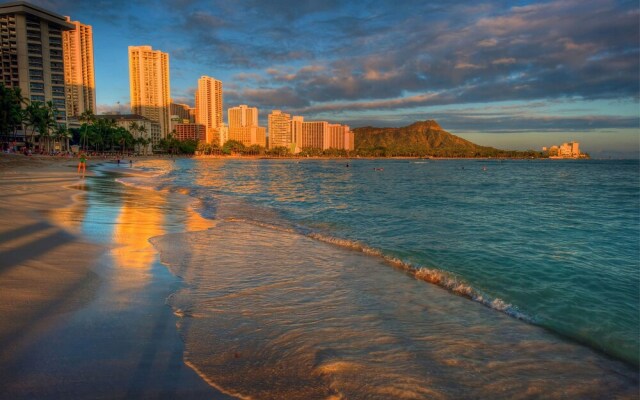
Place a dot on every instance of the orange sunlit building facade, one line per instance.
(79, 74)
(209, 109)
(149, 85)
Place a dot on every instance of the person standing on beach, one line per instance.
(82, 164)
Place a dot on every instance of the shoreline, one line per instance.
(76, 323)
(126, 292)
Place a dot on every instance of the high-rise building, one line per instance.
(242, 115)
(323, 135)
(296, 134)
(31, 53)
(340, 137)
(209, 108)
(149, 84)
(315, 135)
(79, 75)
(350, 140)
(279, 129)
(182, 112)
(243, 126)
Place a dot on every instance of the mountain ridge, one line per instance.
(422, 138)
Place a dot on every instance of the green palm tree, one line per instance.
(62, 135)
(87, 118)
(41, 117)
(11, 111)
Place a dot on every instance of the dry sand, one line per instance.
(63, 334)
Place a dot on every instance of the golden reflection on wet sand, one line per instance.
(272, 314)
(134, 226)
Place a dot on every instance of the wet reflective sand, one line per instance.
(272, 314)
(83, 310)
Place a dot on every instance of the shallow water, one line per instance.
(271, 311)
(273, 314)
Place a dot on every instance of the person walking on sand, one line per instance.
(82, 164)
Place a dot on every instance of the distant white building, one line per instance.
(565, 150)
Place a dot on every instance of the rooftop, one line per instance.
(23, 7)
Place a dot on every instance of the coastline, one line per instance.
(46, 270)
(84, 315)
(120, 339)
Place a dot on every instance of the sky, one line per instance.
(508, 74)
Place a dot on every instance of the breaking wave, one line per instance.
(437, 277)
(251, 214)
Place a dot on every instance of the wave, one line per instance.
(437, 277)
(240, 212)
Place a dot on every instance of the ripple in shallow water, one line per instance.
(272, 314)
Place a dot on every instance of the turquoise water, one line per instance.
(552, 243)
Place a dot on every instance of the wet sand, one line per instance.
(82, 294)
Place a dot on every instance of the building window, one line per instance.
(36, 87)
(35, 74)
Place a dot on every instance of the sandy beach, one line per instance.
(82, 294)
(163, 279)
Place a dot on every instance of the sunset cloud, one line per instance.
(334, 57)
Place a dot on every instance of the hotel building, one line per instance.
(243, 126)
(323, 135)
(315, 135)
(341, 137)
(149, 85)
(279, 129)
(190, 132)
(79, 73)
(182, 112)
(565, 150)
(296, 134)
(209, 109)
(31, 53)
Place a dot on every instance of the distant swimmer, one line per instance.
(347, 165)
(378, 169)
(484, 168)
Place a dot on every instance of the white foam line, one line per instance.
(215, 385)
(440, 278)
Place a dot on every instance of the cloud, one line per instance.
(504, 60)
(338, 57)
(118, 108)
(546, 51)
(464, 65)
(488, 43)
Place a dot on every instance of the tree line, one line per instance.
(18, 113)
(39, 119)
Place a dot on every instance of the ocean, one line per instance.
(407, 278)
